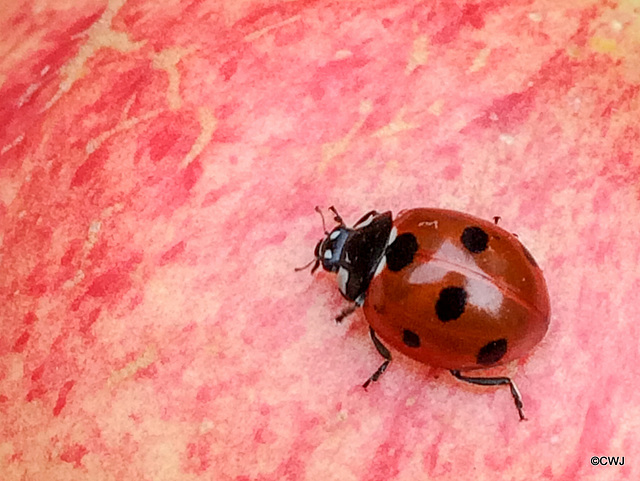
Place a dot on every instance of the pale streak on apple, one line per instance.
(535, 17)
(92, 237)
(167, 60)
(342, 54)
(78, 277)
(147, 358)
(480, 61)
(208, 124)
(8, 147)
(397, 125)
(125, 123)
(419, 54)
(507, 139)
(259, 33)
(99, 35)
(330, 150)
(604, 45)
(436, 107)
(31, 89)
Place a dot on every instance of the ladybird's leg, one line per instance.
(365, 219)
(496, 381)
(384, 352)
(347, 311)
(496, 219)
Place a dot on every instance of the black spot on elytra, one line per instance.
(492, 352)
(451, 303)
(401, 251)
(410, 338)
(474, 239)
(529, 257)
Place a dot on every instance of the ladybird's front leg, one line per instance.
(496, 381)
(350, 309)
(384, 352)
(347, 311)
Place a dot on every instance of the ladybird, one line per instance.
(445, 288)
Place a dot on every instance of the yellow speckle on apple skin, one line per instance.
(603, 44)
(419, 54)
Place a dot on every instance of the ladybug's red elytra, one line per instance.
(443, 287)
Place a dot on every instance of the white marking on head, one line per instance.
(365, 222)
(328, 254)
(383, 261)
(334, 235)
(392, 236)
(343, 279)
(381, 265)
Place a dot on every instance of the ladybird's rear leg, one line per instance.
(384, 352)
(496, 219)
(496, 381)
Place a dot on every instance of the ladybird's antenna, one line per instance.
(317, 259)
(317, 262)
(337, 217)
(324, 226)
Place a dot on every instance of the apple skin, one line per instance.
(159, 166)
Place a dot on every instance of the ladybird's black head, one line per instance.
(353, 253)
(329, 250)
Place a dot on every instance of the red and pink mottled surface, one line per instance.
(159, 165)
